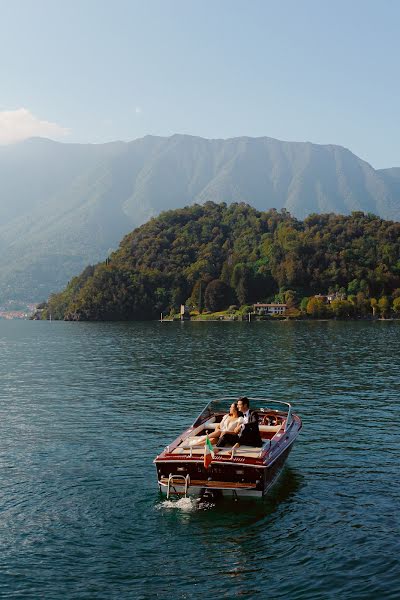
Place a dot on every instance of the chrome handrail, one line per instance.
(288, 421)
(251, 399)
(171, 478)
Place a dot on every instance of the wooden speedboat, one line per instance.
(244, 471)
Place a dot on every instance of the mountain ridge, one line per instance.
(63, 206)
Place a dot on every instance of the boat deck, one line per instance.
(244, 451)
(205, 483)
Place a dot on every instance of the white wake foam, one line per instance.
(184, 504)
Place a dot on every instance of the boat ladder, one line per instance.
(174, 479)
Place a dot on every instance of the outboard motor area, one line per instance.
(208, 495)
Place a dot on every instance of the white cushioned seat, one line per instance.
(269, 428)
(209, 425)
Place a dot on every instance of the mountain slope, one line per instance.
(63, 206)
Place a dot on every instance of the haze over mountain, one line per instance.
(63, 206)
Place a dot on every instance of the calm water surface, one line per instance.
(84, 408)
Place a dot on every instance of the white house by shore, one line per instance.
(272, 308)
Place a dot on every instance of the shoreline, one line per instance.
(294, 320)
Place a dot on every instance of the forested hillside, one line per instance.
(223, 255)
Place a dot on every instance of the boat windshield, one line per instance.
(221, 406)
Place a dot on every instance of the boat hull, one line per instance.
(256, 486)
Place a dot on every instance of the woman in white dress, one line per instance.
(229, 423)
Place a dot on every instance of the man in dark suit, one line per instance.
(246, 434)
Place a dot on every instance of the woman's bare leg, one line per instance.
(214, 436)
(237, 445)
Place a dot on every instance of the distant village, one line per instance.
(13, 309)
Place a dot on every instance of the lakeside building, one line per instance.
(328, 298)
(185, 313)
(273, 308)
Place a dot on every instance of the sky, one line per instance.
(94, 71)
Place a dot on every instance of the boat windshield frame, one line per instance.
(221, 406)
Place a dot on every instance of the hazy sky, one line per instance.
(325, 71)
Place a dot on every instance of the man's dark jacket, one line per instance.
(250, 435)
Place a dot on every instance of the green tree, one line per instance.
(240, 282)
(303, 304)
(362, 304)
(384, 306)
(353, 299)
(316, 307)
(217, 295)
(396, 305)
(289, 297)
(342, 308)
(374, 306)
(353, 287)
(196, 299)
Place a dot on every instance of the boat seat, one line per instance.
(189, 446)
(269, 428)
(245, 451)
(265, 428)
(209, 425)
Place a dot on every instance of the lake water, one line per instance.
(85, 407)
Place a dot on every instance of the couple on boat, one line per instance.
(238, 428)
